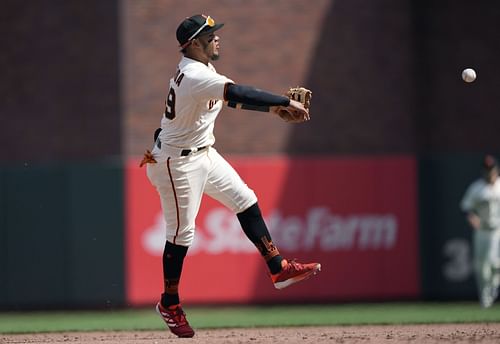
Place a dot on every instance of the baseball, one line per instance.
(469, 75)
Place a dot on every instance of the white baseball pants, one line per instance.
(487, 264)
(182, 181)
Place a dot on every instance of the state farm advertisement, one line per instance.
(356, 216)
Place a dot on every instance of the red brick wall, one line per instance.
(87, 79)
(265, 44)
(385, 74)
(363, 81)
(354, 55)
(59, 80)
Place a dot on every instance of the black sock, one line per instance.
(173, 258)
(256, 230)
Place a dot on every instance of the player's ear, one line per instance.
(195, 42)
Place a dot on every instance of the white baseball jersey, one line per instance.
(194, 100)
(483, 199)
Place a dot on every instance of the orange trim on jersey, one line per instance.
(175, 197)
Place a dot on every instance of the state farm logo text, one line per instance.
(319, 229)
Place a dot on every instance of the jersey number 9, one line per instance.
(170, 104)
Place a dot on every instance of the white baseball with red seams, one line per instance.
(469, 75)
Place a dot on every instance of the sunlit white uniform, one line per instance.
(484, 200)
(195, 99)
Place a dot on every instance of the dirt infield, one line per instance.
(426, 334)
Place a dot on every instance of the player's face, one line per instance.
(491, 175)
(210, 45)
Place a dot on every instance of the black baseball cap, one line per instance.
(195, 26)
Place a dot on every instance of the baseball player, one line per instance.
(481, 204)
(184, 165)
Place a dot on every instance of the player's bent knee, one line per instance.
(245, 204)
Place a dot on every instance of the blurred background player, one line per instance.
(183, 165)
(481, 204)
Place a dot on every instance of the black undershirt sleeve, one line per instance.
(251, 98)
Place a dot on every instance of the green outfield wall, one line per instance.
(61, 242)
(62, 233)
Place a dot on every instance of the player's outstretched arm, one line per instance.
(290, 108)
(251, 98)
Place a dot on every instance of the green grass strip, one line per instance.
(252, 316)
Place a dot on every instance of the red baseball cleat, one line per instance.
(294, 272)
(176, 320)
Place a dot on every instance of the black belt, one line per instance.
(186, 152)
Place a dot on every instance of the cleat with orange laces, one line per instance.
(293, 272)
(175, 318)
